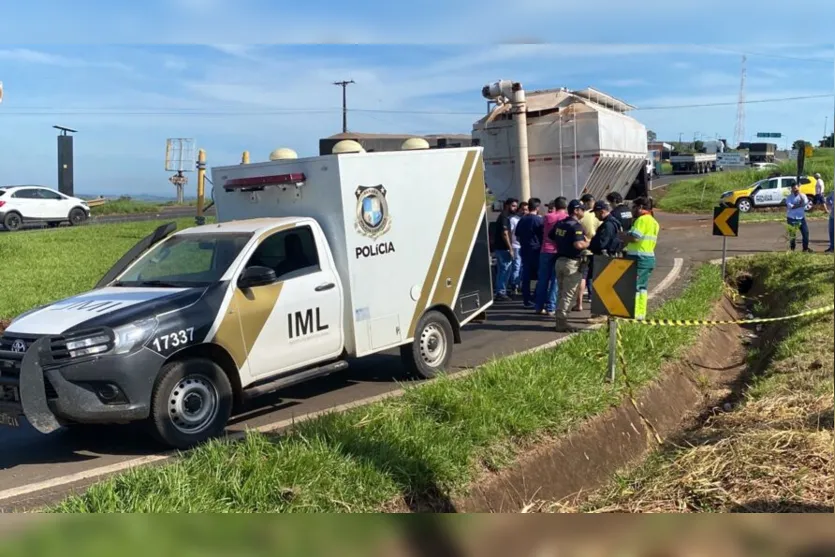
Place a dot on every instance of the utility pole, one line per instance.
(344, 85)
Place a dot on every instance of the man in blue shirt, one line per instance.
(529, 236)
(571, 240)
(830, 208)
(796, 217)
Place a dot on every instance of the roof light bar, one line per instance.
(260, 182)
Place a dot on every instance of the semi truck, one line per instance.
(692, 163)
(559, 142)
(313, 261)
(762, 152)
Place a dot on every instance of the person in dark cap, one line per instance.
(571, 241)
(606, 240)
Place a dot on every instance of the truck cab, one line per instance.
(286, 287)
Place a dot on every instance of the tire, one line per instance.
(13, 221)
(77, 216)
(430, 351)
(181, 385)
(744, 205)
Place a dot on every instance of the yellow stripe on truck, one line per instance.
(446, 230)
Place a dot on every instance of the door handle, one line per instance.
(325, 286)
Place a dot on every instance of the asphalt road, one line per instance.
(36, 469)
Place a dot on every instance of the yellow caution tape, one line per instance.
(693, 322)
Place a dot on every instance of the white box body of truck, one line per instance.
(407, 232)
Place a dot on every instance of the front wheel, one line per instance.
(430, 351)
(77, 216)
(744, 205)
(191, 403)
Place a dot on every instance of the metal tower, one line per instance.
(739, 129)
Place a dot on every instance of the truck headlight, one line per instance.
(87, 346)
(132, 335)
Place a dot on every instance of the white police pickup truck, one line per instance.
(313, 261)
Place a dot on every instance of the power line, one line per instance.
(733, 103)
(766, 55)
(32, 111)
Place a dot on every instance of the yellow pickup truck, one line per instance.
(768, 192)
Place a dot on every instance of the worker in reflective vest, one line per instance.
(640, 243)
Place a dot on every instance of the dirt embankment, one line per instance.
(589, 456)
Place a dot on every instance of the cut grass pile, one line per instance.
(686, 196)
(133, 206)
(41, 266)
(422, 448)
(774, 452)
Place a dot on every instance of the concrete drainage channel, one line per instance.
(83, 479)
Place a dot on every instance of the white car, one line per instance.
(21, 204)
(764, 165)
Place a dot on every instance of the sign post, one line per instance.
(615, 284)
(725, 223)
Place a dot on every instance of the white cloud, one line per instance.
(627, 82)
(28, 56)
(174, 63)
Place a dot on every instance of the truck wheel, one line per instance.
(77, 216)
(13, 221)
(431, 349)
(744, 205)
(191, 403)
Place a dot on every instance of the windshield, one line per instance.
(186, 260)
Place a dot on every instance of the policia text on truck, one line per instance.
(312, 261)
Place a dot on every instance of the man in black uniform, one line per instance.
(571, 241)
(606, 240)
(620, 210)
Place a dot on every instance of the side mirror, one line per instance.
(257, 276)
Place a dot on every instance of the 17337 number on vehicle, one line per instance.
(173, 340)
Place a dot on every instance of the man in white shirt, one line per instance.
(515, 283)
(819, 187)
(796, 217)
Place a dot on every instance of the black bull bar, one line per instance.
(31, 384)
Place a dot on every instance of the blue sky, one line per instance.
(198, 78)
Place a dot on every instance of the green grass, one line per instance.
(774, 452)
(204, 536)
(430, 443)
(132, 206)
(686, 196)
(41, 266)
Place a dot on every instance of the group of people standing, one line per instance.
(554, 245)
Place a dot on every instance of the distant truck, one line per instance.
(692, 163)
(762, 152)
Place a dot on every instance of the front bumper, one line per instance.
(104, 389)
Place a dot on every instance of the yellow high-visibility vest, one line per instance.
(644, 234)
